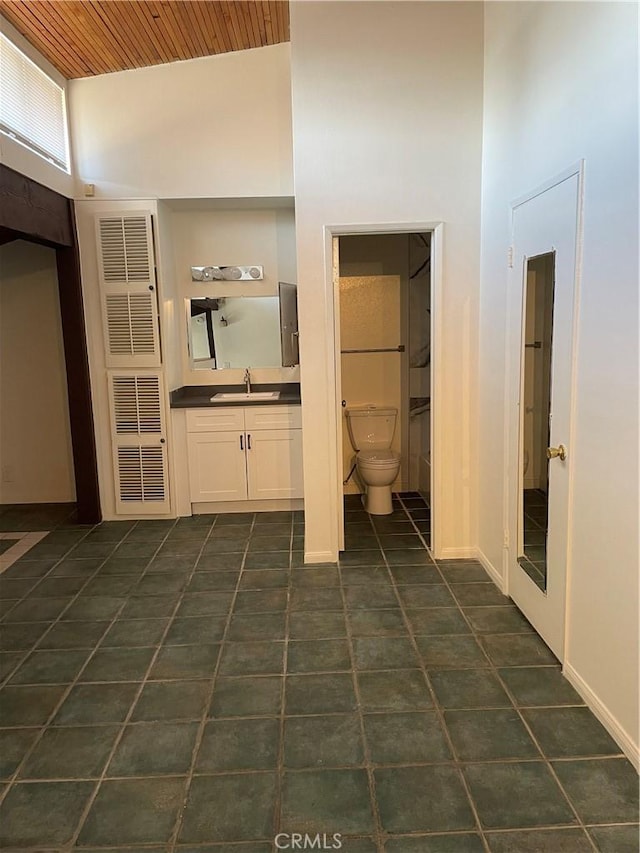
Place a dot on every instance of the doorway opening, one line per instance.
(384, 300)
(40, 255)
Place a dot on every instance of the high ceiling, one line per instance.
(86, 37)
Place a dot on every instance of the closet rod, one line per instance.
(383, 349)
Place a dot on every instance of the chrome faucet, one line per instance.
(247, 380)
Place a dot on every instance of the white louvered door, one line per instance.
(128, 290)
(138, 434)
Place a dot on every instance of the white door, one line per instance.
(543, 295)
(274, 464)
(217, 466)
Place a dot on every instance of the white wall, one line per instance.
(561, 84)
(219, 126)
(16, 156)
(36, 464)
(387, 107)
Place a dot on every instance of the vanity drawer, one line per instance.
(273, 417)
(215, 419)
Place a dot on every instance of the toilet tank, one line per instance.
(371, 427)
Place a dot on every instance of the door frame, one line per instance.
(331, 235)
(514, 339)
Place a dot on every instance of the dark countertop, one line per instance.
(199, 396)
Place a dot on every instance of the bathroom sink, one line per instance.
(244, 397)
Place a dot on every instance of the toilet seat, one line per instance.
(378, 458)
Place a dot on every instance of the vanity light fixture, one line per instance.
(254, 272)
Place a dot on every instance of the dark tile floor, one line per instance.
(190, 686)
(20, 518)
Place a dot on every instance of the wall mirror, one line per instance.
(536, 417)
(243, 331)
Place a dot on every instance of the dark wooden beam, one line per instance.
(35, 211)
(7, 235)
(78, 382)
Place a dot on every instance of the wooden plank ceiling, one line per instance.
(85, 37)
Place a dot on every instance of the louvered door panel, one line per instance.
(126, 250)
(142, 480)
(137, 404)
(131, 329)
(128, 289)
(138, 433)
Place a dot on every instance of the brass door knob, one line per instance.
(560, 451)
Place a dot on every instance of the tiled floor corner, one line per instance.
(191, 686)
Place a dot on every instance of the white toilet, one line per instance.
(371, 432)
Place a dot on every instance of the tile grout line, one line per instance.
(547, 761)
(178, 823)
(280, 767)
(436, 705)
(48, 576)
(301, 771)
(77, 595)
(141, 684)
(378, 829)
(493, 668)
(4, 622)
(427, 546)
(68, 688)
(11, 556)
(346, 611)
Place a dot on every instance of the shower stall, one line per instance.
(385, 328)
(419, 364)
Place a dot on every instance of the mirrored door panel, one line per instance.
(536, 416)
(541, 387)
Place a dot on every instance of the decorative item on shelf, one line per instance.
(254, 272)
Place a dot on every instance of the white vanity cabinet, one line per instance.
(250, 453)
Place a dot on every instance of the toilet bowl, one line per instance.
(377, 470)
(371, 432)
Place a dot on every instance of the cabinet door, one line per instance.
(274, 463)
(138, 441)
(217, 466)
(126, 270)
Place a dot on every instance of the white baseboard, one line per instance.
(472, 553)
(467, 553)
(319, 557)
(494, 574)
(611, 724)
